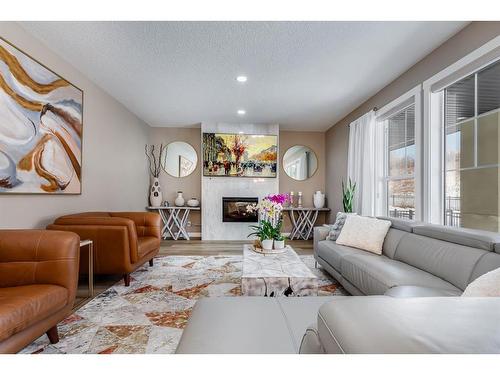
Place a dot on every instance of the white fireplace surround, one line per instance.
(214, 188)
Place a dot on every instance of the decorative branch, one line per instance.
(154, 161)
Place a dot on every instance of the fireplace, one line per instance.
(234, 209)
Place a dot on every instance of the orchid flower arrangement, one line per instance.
(270, 211)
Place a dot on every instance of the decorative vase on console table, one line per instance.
(155, 195)
(319, 199)
(193, 202)
(179, 201)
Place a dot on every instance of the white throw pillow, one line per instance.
(487, 285)
(336, 227)
(365, 233)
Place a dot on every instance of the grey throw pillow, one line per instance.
(336, 227)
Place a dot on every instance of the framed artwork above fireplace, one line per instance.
(240, 155)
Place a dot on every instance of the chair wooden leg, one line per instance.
(126, 279)
(53, 335)
(151, 262)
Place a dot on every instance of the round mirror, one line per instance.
(179, 159)
(300, 162)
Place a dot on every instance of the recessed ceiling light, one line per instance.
(241, 79)
(241, 112)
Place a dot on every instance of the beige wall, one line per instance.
(316, 142)
(114, 166)
(189, 185)
(464, 42)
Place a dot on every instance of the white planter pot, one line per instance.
(267, 244)
(279, 245)
(155, 195)
(319, 199)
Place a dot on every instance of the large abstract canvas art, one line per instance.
(40, 127)
(239, 155)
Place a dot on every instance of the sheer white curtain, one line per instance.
(364, 163)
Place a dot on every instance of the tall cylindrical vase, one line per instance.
(155, 194)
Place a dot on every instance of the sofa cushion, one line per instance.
(401, 224)
(449, 261)
(487, 263)
(467, 237)
(364, 233)
(487, 285)
(147, 245)
(234, 325)
(374, 275)
(391, 242)
(407, 291)
(383, 324)
(249, 325)
(300, 313)
(336, 227)
(332, 253)
(310, 343)
(22, 306)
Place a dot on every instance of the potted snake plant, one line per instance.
(348, 191)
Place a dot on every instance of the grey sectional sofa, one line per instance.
(418, 260)
(433, 263)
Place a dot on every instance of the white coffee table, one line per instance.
(276, 275)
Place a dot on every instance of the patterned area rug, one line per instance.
(149, 316)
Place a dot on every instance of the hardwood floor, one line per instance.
(181, 247)
(207, 248)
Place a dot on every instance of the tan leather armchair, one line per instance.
(38, 282)
(123, 241)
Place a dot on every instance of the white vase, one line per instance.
(278, 245)
(155, 194)
(319, 199)
(267, 244)
(179, 201)
(193, 202)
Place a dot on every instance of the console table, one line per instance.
(303, 220)
(175, 220)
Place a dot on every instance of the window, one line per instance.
(471, 150)
(400, 163)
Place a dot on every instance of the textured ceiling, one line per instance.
(302, 75)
